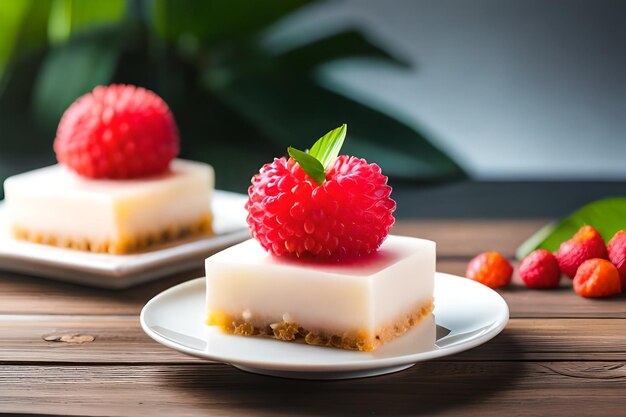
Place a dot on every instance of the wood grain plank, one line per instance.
(468, 237)
(441, 388)
(115, 340)
(21, 294)
(554, 340)
(27, 295)
(120, 340)
(559, 353)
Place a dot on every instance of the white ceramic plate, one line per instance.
(121, 271)
(466, 315)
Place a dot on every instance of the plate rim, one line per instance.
(498, 325)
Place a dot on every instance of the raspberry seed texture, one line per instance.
(348, 215)
(117, 132)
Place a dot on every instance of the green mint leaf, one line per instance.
(309, 164)
(327, 148)
(608, 216)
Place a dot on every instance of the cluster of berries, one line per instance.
(598, 270)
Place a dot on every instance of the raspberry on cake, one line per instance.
(119, 131)
(117, 188)
(349, 214)
(321, 267)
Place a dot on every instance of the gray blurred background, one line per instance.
(512, 89)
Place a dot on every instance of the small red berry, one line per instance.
(490, 269)
(117, 132)
(617, 254)
(587, 243)
(597, 278)
(349, 214)
(540, 269)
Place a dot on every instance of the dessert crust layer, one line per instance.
(125, 245)
(291, 331)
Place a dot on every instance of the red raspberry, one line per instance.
(540, 270)
(597, 278)
(587, 243)
(491, 269)
(617, 254)
(119, 131)
(348, 215)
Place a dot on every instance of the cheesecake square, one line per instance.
(357, 304)
(55, 206)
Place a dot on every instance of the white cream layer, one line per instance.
(56, 201)
(245, 281)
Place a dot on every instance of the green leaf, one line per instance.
(212, 133)
(309, 164)
(217, 20)
(72, 70)
(70, 16)
(12, 13)
(607, 216)
(327, 148)
(289, 108)
(347, 44)
(303, 59)
(23, 25)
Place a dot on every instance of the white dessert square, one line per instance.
(55, 206)
(358, 304)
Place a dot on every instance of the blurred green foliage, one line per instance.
(237, 103)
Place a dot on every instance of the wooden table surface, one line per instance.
(560, 354)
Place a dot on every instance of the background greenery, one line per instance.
(238, 103)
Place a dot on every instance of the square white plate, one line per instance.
(121, 271)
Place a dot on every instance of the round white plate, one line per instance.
(466, 315)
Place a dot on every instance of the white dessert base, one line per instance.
(371, 299)
(55, 206)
